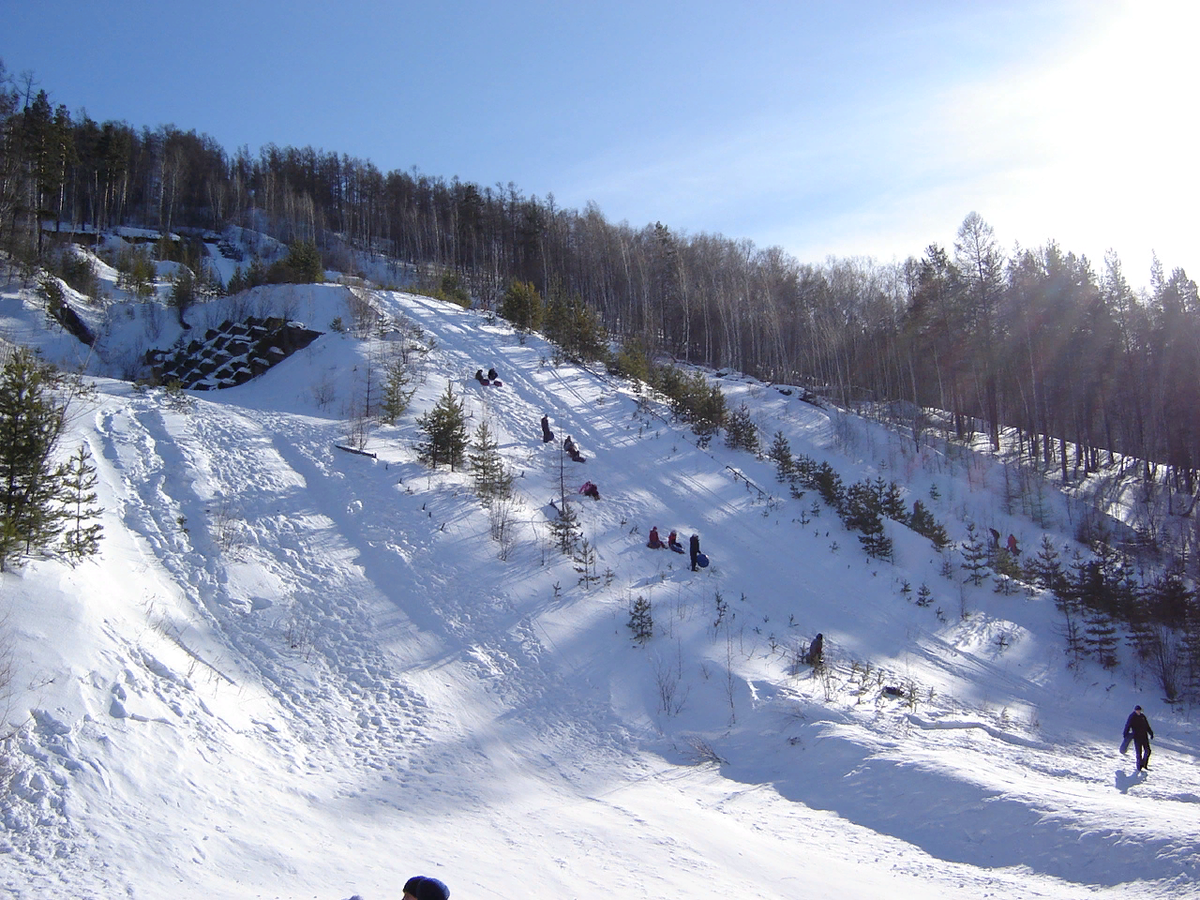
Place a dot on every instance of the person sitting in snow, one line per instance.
(572, 450)
(422, 887)
(479, 377)
(673, 542)
(590, 490)
(492, 375)
(655, 543)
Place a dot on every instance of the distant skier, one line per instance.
(422, 887)
(1137, 729)
(694, 548)
(547, 434)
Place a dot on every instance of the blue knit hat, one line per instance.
(425, 888)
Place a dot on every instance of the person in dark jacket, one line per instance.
(694, 547)
(492, 375)
(1137, 728)
(422, 887)
(573, 450)
(479, 376)
(547, 434)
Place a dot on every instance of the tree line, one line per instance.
(1038, 340)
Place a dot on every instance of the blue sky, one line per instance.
(853, 128)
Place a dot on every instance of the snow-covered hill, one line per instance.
(299, 672)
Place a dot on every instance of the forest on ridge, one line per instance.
(1037, 340)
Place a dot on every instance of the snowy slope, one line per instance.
(295, 671)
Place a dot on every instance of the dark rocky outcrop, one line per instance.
(231, 354)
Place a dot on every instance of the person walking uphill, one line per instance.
(1137, 728)
(422, 887)
(694, 547)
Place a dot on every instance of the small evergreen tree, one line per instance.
(492, 481)
(740, 431)
(781, 453)
(183, 291)
(975, 556)
(641, 620)
(79, 498)
(446, 432)
(522, 305)
(396, 392)
(1046, 567)
(31, 423)
(923, 523)
(829, 485)
(862, 515)
(891, 502)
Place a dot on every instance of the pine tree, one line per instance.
(891, 502)
(446, 432)
(31, 423)
(522, 305)
(492, 481)
(396, 392)
(741, 432)
(862, 515)
(1046, 567)
(79, 499)
(781, 453)
(923, 523)
(974, 556)
(641, 620)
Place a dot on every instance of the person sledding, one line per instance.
(547, 434)
(493, 377)
(572, 450)
(590, 490)
(480, 377)
(673, 542)
(655, 543)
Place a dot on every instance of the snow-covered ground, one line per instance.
(299, 672)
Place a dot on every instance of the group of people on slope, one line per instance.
(656, 543)
(569, 445)
(490, 378)
(698, 559)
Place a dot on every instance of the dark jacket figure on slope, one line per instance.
(655, 543)
(422, 887)
(694, 548)
(547, 434)
(492, 375)
(816, 652)
(1137, 728)
(479, 376)
(572, 450)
